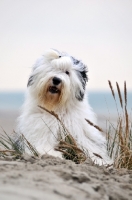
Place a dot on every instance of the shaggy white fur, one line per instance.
(57, 82)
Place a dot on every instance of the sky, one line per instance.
(99, 32)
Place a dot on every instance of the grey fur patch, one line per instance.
(81, 71)
(75, 61)
(30, 81)
(79, 95)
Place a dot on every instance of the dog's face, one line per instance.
(57, 78)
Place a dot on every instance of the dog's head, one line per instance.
(57, 78)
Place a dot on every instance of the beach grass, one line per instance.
(119, 137)
(13, 146)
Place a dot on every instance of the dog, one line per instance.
(58, 83)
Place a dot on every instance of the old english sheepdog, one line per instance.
(57, 83)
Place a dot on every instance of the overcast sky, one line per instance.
(99, 32)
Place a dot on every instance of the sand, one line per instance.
(50, 178)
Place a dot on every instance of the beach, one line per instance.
(52, 178)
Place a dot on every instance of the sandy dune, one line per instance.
(55, 179)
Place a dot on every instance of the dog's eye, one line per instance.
(67, 72)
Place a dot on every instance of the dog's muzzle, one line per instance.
(55, 87)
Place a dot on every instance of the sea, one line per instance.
(102, 102)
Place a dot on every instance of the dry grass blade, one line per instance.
(63, 144)
(8, 142)
(70, 150)
(121, 141)
(112, 90)
(56, 116)
(68, 146)
(124, 160)
(99, 156)
(113, 94)
(95, 126)
(5, 151)
(66, 155)
(125, 93)
(4, 143)
(119, 94)
(31, 148)
(127, 126)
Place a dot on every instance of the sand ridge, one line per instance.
(52, 178)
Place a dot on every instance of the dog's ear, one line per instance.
(81, 71)
(84, 78)
(82, 75)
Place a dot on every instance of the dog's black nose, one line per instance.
(56, 81)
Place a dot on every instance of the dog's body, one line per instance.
(57, 83)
